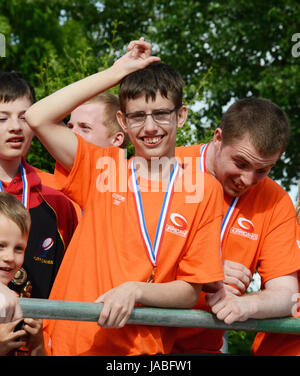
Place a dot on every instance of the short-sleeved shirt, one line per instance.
(275, 344)
(261, 235)
(107, 249)
(50, 181)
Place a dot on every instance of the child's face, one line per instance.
(12, 247)
(152, 139)
(15, 134)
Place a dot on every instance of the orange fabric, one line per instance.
(274, 344)
(270, 247)
(49, 180)
(107, 250)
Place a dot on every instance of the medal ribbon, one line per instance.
(202, 158)
(25, 186)
(232, 206)
(153, 251)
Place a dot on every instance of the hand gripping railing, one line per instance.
(189, 318)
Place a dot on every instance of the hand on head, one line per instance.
(138, 57)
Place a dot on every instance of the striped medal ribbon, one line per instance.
(234, 201)
(153, 251)
(25, 199)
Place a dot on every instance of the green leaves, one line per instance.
(224, 50)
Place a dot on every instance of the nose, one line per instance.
(248, 178)
(150, 126)
(15, 125)
(8, 255)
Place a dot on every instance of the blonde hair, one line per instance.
(14, 210)
(112, 105)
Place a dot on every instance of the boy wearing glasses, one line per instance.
(145, 230)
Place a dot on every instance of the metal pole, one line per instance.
(189, 318)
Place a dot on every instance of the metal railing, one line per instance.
(189, 318)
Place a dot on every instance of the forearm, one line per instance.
(119, 301)
(45, 117)
(55, 107)
(275, 300)
(269, 303)
(176, 294)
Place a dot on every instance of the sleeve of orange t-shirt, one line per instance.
(279, 255)
(65, 179)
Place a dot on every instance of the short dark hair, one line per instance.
(14, 86)
(14, 210)
(266, 124)
(148, 81)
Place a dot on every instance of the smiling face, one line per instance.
(238, 166)
(15, 134)
(12, 248)
(152, 140)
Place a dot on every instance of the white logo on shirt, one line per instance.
(117, 199)
(180, 225)
(246, 230)
(178, 220)
(246, 224)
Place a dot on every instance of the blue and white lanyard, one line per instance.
(234, 200)
(153, 251)
(25, 186)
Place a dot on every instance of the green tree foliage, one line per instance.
(225, 50)
(239, 342)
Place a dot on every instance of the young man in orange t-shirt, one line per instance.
(140, 222)
(259, 226)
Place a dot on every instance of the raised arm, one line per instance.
(45, 117)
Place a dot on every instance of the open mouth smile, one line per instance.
(152, 141)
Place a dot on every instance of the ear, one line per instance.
(121, 120)
(182, 114)
(217, 139)
(117, 139)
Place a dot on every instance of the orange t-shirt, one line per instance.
(261, 235)
(107, 250)
(49, 180)
(275, 344)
